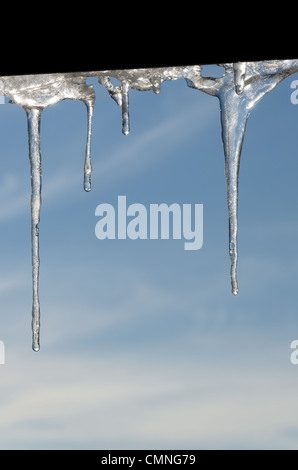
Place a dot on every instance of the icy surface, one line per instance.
(241, 87)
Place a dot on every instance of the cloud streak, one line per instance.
(118, 163)
(128, 400)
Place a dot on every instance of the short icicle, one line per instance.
(239, 76)
(87, 166)
(33, 119)
(125, 109)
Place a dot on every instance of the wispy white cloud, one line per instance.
(136, 157)
(129, 400)
(13, 195)
(191, 390)
(119, 162)
(13, 282)
(194, 390)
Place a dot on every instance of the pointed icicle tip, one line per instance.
(87, 183)
(235, 289)
(233, 253)
(36, 347)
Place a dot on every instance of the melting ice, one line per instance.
(241, 87)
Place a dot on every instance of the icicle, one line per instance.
(125, 109)
(156, 84)
(235, 110)
(33, 119)
(236, 103)
(233, 120)
(241, 87)
(88, 167)
(239, 76)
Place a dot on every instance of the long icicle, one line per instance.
(233, 120)
(33, 120)
(236, 102)
(87, 166)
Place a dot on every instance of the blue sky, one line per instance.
(143, 344)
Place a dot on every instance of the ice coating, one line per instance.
(141, 80)
(241, 87)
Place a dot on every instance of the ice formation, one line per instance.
(239, 89)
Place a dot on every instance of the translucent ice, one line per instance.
(241, 87)
(239, 90)
(34, 93)
(33, 117)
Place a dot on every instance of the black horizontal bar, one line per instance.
(71, 59)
